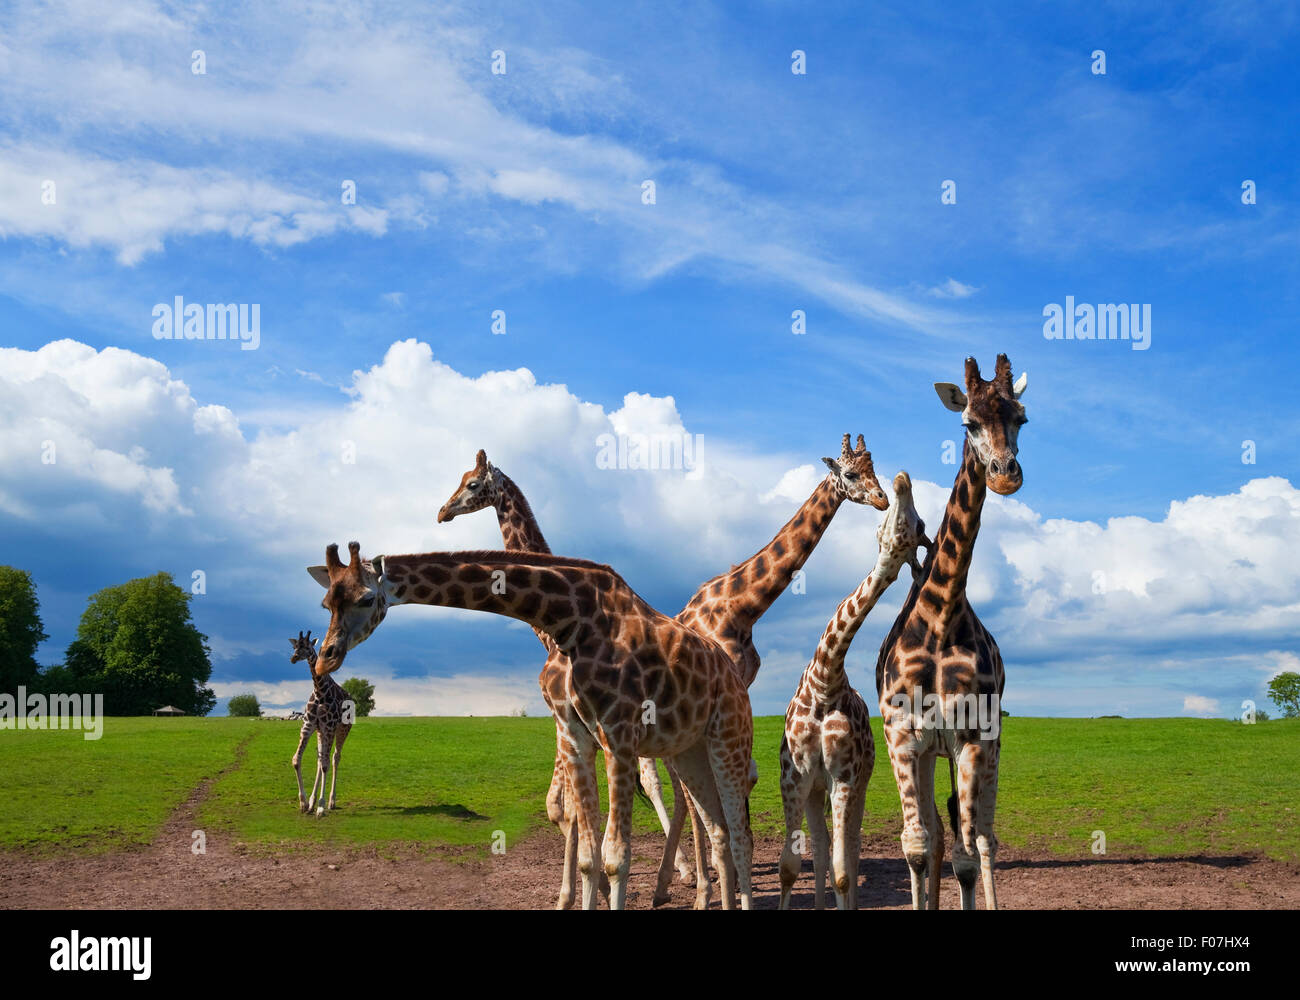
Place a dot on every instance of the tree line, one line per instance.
(136, 644)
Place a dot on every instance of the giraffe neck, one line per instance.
(561, 597)
(519, 528)
(765, 575)
(826, 671)
(943, 591)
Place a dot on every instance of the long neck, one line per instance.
(563, 598)
(826, 671)
(765, 575)
(519, 529)
(943, 590)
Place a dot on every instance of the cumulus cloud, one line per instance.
(1204, 598)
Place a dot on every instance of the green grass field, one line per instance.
(1155, 786)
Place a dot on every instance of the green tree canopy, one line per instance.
(136, 643)
(1284, 689)
(362, 692)
(21, 630)
(244, 704)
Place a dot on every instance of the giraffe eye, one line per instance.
(367, 602)
(474, 484)
(851, 476)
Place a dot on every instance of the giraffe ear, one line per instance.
(377, 564)
(321, 575)
(831, 464)
(1021, 385)
(951, 396)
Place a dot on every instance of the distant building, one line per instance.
(168, 710)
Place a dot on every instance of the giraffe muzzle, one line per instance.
(1005, 475)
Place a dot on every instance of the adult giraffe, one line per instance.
(938, 655)
(484, 486)
(622, 656)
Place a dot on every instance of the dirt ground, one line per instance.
(166, 875)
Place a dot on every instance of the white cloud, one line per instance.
(1076, 606)
(133, 206)
(368, 80)
(1199, 705)
(953, 289)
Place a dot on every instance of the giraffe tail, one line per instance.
(641, 793)
(952, 800)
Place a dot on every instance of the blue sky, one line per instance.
(775, 192)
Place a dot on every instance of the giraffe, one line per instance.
(639, 684)
(827, 746)
(323, 715)
(485, 485)
(939, 674)
(727, 607)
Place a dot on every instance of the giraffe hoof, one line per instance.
(320, 811)
(661, 900)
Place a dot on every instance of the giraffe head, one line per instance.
(855, 476)
(304, 647)
(478, 489)
(355, 600)
(993, 415)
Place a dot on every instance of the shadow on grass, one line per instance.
(454, 810)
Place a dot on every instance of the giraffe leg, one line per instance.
(703, 883)
(935, 867)
(339, 737)
(654, 789)
(308, 727)
(917, 798)
(620, 771)
(985, 840)
(733, 790)
(844, 869)
(853, 838)
(556, 804)
(815, 810)
(696, 772)
(581, 768)
(964, 848)
(794, 796)
(673, 844)
(318, 786)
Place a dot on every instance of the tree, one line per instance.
(1284, 690)
(21, 629)
(244, 704)
(362, 693)
(137, 645)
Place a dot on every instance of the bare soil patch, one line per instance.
(167, 875)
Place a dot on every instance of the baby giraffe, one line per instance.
(324, 715)
(828, 746)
